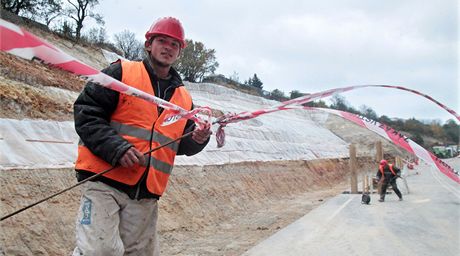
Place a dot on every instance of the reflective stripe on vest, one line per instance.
(133, 120)
(143, 134)
(140, 133)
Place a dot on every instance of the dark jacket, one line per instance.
(389, 176)
(92, 111)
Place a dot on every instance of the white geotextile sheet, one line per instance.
(37, 144)
(284, 135)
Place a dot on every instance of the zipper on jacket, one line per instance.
(146, 171)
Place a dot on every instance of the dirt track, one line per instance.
(211, 210)
(426, 222)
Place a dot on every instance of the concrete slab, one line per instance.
(427, 222)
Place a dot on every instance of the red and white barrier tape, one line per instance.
(231, 118)
(19, 42)
(398, 139)
(297, 103)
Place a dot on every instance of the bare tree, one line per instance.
(235, 77)
(50, 11)
(131, 48)
(96, 35)
(78, 10)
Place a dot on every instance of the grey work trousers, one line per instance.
(109, 223)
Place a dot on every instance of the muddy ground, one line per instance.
(210, 210)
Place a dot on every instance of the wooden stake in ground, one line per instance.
(353, 171)
(378, 157)
(378, 151)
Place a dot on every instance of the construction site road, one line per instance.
(427, 222)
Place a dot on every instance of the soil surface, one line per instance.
(210, 210)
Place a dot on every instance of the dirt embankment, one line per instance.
(207, 210)
(32, 90)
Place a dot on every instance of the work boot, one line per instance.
(381, 200)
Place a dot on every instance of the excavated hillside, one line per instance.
(207, 210)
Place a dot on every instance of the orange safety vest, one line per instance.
(133, 119)
(391, 169)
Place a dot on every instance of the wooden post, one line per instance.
(366, 184)
(378, 157)
(398, 162)
(378, 151)
(353, 171)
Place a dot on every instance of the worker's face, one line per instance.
(164, 50)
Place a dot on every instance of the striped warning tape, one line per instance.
(398, 139)
(19, 42)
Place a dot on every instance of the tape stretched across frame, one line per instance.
(398, 139)
(19, 42)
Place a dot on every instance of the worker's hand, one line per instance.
(131, 157)
(202, 135)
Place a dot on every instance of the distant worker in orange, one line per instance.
(119, 210)
(387, 175)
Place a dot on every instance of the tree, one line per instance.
(196, 61)
(318, 104)
(66, 29)
(248, 82)
(277, 95)
(131, 48)
(78, 11)
(398, 124)
(417, 138)
(46, 10)
(452, 131)
(96, 35)
(255, 82)
(385, 120)
(20, 6)
(413, 125)
(437, 131)
(339, 102)
(368, 112)
(296, 94)
(235, 77)
(49, 11)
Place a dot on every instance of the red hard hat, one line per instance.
(383, 162)
(167, 26)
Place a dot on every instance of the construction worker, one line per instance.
(387, 174)
(118, 211)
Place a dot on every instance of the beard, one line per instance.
(156, 62)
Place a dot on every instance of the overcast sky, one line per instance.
(314, 45)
